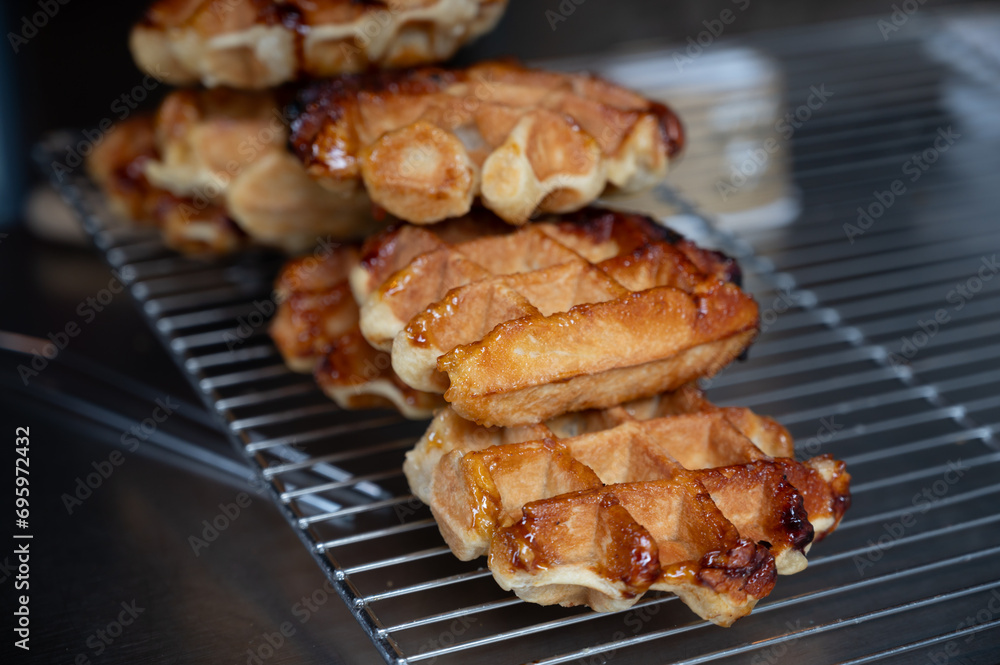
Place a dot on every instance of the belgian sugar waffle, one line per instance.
(316, 330)
(516, 327)
(427, 143)
(118, 164)
(262, 43)
(211, 169)
(669, 493)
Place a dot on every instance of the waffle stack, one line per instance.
(211, 167)
(428, 142)
(273, 154)
(668, 493)
(256, 45)
(574, 451)
(211, 171)
(554, 343)
(563, 315)
(316, 329)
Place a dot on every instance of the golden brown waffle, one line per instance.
(229, 148)
(257, 44)
(428, 142)
(316, 330)
(117, 164)
(580, 510)
(582, 312)
(214, 155)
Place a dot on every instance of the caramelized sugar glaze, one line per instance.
(427, 142)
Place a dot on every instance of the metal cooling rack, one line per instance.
(913, 573)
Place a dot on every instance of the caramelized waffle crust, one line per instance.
(118, 166)
(584, 311)
(426, 143)
(667, 493)
(211, 169)
(257, 44)
(316, 330)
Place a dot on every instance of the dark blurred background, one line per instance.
(69, 72)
